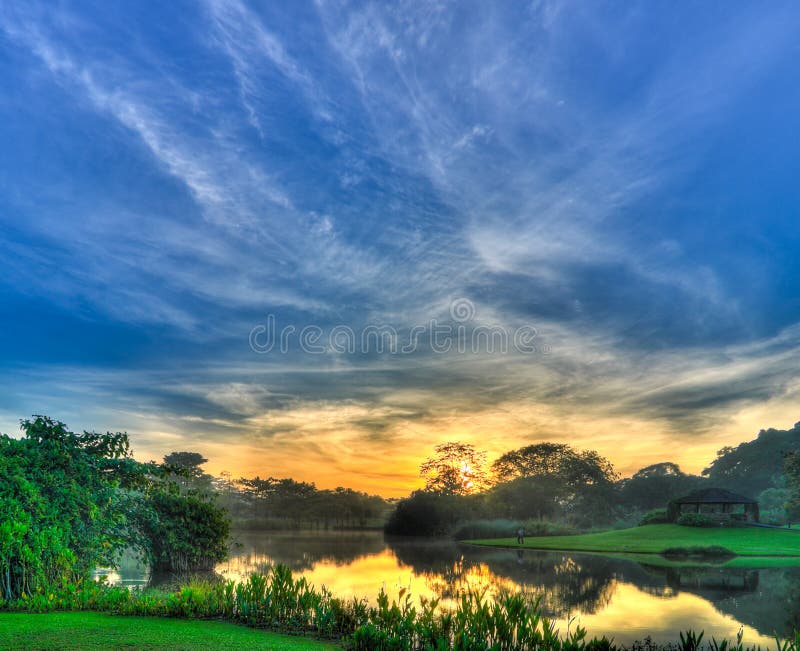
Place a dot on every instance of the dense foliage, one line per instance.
(792, 469)
(427, 513)
(756, 465)
(188, 533)
(70, 502)
(655, 485)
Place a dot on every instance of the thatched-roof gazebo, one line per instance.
(716, 503)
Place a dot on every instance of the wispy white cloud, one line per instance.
(249, 43)
(425, 155)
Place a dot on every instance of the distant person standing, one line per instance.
(520, 536)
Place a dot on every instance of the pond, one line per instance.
(621, 598)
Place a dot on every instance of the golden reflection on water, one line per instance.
(603, 604)
(639, 614)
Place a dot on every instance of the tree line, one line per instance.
(272, 503)
(555, 487)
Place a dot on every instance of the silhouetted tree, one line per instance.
(655, 485)
(456, 469)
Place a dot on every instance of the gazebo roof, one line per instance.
(714, 496)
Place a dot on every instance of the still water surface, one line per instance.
(620, 598)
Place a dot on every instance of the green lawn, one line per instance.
(655, 538)
(100, 631)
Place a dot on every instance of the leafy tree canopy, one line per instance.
(456, 469)
(189, 461)
(655, 485)
(557, 461)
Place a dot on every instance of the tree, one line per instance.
(271, 502)
(555, 460)
(524, 498)
(187, 532)
(186, 466)
(456, 469)
(754, 466)
(65, 503)
(427, 513)
(791, 469)
(557, 478)
(188, 461)
(656, 485)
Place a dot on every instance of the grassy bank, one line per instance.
(101, 631)
(656, 538)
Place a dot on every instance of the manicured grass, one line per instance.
(100, 631)
(655, 538)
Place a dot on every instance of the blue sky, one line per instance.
(620, 176)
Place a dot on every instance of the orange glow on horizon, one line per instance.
(324, 446)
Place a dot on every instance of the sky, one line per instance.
(213, 213)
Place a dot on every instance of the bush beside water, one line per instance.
(279, 602)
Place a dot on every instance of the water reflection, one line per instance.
(621, 598)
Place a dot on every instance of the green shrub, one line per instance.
(696, 520)
(656, 516)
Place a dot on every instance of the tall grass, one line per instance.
(280, 602)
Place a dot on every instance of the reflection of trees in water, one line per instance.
(772, 606)
(300, 550)
(767, 600)
(562, 582)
